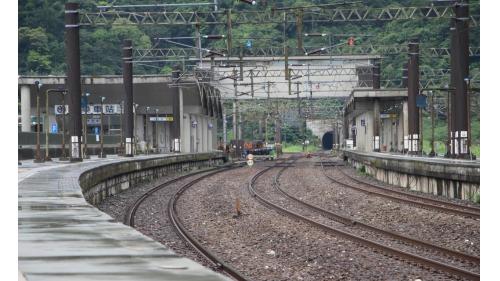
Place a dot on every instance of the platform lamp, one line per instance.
(38, 158)
(85, 125)
(433, 152)
(467, 81)
(101, 137)
(147, 135)
(135, 127)
(251, 2)
(47, 125)
(64, 157)
(122, 150)
(157, 149)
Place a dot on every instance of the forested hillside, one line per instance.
(41, 41)
(41, 35)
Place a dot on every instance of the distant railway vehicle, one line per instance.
(256, 147)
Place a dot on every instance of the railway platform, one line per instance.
(63, 237)
(453, 178)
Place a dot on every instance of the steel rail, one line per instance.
(180, 229)
(217, 262)
(352, 222)
(437, 201)
(129, 218)
(414, 202)
(359, 240)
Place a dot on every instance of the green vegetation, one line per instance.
(41, 52)
(362, 171)
(41, 35)
(296, 148)
(440, 133)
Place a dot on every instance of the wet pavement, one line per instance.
(62, 237)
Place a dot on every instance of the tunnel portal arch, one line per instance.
(327, 140)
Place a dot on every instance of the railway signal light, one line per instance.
(315, 51)
(350, 41)
(214, 37)
(251, 2)
(214, 53)
(315, 34)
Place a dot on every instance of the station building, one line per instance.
(376, 120)
(200, 108)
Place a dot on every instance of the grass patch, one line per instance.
(441, 137)
(297, 148)
(362, 171)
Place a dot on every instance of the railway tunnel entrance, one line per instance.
(327, 140)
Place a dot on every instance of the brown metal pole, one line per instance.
(157, 148)
(376, 75)
(72, 46)
(469, 133)
(460, 73)
(38, 158)
(404, 81)
(235, 117)
(122, 153)
(229, 33)
(128, 103)
(85, 126)
(101, 133)
(300, 14)
(449, 122)
(433, 152)
(176, 125)
(413, 91)
(47, 125)
(64, 157)
(376, 125)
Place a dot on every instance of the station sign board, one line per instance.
(421, 101)
(91, 109)
(53, 128)
(388, 115)
(162, 118)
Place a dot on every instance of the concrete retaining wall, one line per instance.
(453, 179)
(99, 183)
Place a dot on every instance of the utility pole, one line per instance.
(376, 75)
(101, 133)
(235, 115)
(64, 157)
(136, 137)
(85, 152)
(198, 44)
(413, 90)
(459, 80)
(146, 130)
(176, 111)
(72, 47)
(128, 102)
(433, 152)
(47, 125)
(38, 158)
(47, 121)
(229, 33)
(157, 147)
(122, 153)
(224, 128)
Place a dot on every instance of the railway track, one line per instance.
(173, 216)
(403, 197)
(390, 250)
